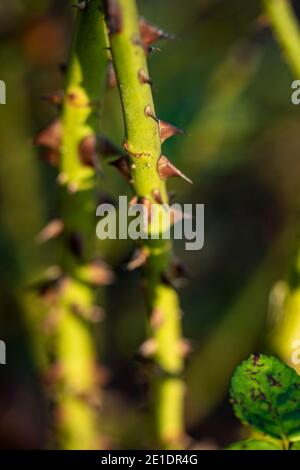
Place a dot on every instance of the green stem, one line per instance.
(286, 30)
(143, 144)
(75, 346)
(287, 332)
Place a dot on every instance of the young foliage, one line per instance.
(265, 394)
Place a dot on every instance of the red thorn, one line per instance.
(157, 196)
(167, 130)
(151, 33)
(167, 170)
(50, 138)
(143, 78)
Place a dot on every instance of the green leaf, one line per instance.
(253, 444)
(265, 394)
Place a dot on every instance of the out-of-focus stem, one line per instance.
(286, 295)
(286, 29)
(74, 342)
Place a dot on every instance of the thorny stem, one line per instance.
(75, 348)
(286, 336)
(143, 144)
(286, 30)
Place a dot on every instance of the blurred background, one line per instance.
(224, 81)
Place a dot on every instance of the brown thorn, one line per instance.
(133, 201)
(167, 130)
(50, 138)
(148, 348)
(73, 187)
(139, 258)
(99, 273)
(52, 375)
(51, 231)
(143, 78)
(87, 151)
(185, 347)
(55, 98)
(157, 196)
(114, 16)
(167, 170)
(151, 33)
(92, 314)
(149, 113)
(157, 319)
(62, 179)
(111, 78)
